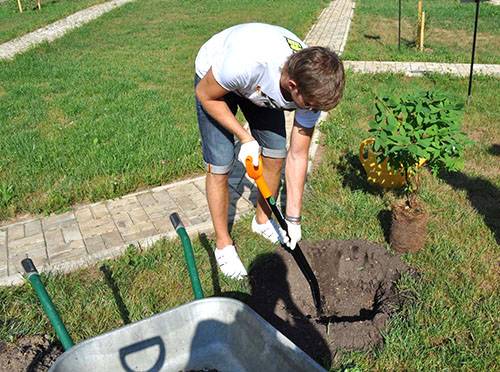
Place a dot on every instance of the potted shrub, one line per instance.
(409, 131)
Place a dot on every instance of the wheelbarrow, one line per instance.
(208, 334)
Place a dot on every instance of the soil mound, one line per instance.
(34, 353)
(357, 284)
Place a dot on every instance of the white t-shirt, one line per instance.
(247, 59)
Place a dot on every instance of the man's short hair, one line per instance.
(319, 74)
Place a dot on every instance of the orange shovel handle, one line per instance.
(257, 173)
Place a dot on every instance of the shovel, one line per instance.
(257, 174)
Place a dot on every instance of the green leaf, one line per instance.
(373, 124)
(419, 125)
(408, 126)
(392, 123)
(425, 142)
(419, 108)
(401, 139)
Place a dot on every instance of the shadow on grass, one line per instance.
(372, 37)
(483, 195)
(108, 277)
(270, 290)
(494, 149)
(385, 220)
(214, 274)
(408, 43)
(354, 176)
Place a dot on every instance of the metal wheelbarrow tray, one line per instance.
(220, 334)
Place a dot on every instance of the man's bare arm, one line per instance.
(211, 95)
(296, 168)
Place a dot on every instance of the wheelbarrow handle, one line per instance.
(188, 255)
(29, 266)
(176, 221)
(47, 304)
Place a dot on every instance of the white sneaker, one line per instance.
(269, 230)
(230, 263)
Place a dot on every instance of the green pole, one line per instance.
(47, 305)
(188, 255)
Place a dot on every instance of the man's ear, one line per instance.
(292, 85)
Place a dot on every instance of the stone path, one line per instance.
(93, 232)
(421, 68)
(332, 27)
(57, 29)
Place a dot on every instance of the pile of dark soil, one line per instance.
(357, 283)
(34, 353)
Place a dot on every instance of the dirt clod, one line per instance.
(357, 284)
(34, 353)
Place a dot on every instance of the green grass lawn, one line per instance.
(109, 108)
(14, 24)
(451, 323)
(448, 35)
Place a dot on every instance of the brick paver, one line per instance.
(103, 230)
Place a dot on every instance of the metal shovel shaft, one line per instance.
(299, 258)
(257, 174)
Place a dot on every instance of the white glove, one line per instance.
(250, 148)
(295, 234)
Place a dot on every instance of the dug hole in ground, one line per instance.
(357, 282)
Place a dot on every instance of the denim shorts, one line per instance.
(218, 144)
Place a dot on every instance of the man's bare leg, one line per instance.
(272, 173)
(218, 204)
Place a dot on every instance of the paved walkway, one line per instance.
(57, 29)
(93, 232)
(421, 68)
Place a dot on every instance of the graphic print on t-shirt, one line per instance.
(294, 45)
(262, 99)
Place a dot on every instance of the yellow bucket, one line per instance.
(377, 173)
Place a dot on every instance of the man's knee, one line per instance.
(218, 169)
(217, 180)
(272, 164)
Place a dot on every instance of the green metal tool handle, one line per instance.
(47, 305)
(188, 254)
